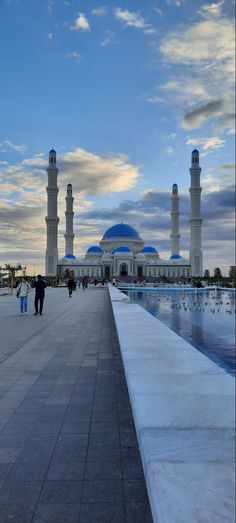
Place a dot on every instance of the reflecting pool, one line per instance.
(206, 319)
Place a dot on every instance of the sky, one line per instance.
(124, 91)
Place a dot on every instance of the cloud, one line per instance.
(50, 36)
(208, 144)
(228, 166)
(98, 174)
(81, 23)
(100, 11)
(75, 56)
(108, 40)
(131, 19)
(170, 150)
(8, 144)
(203, 56)
(177, 3)
(198, 116)
(209, 10)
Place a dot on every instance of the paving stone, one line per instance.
(102, 491)
(19, 491)
(137, 512)
(102, 513)
(16, 513)
(135, 490)
(28, 471)
(66, 471)
(61, 492)
(103, 470)
(66, 513)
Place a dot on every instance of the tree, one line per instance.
(207, 273)
(217, 273)
(11, 271)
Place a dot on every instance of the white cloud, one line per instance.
(155, 99)
(169, 150)
(81, 23)
(50, 36)
(209, 10)
(208, 144)
(75, 55)
(100, 11)
(7, 143)
(177, 3)
(108, 40)
(98, 174)
(131, 19)
(158, 11)
(203, 55)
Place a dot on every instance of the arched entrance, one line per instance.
(123, 270)
(107, 272)
(140, 271)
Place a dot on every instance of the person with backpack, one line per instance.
(40, 287)
(22, 292)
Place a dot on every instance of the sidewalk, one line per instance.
(68, 449)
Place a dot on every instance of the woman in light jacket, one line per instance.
(22, 292)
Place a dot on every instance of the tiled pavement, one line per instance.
(68, 449)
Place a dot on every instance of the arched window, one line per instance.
(123, 270)
(140, 271)
(107, 272)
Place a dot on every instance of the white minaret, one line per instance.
(195, 218)
(52, 218)
(175, 236)
(69, 236)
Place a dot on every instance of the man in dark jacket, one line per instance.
(40, 287)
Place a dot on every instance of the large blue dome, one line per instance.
(95, 249)
(175, 257)
(122, 248)
(121, 230)
(149, 249)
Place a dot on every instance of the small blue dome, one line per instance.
(195, 151)
(122, 248)
(121, 229)
(149, 249)
(175, 257)
(52, 151)
(174, 185)
(95, 249)
(70, 256)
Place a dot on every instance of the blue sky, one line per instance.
(123, 91)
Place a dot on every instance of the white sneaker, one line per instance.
(26, 313)
(21, 313)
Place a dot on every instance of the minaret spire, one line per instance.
(195, 218)
(69, 236)
(52, 218)
(175, 236)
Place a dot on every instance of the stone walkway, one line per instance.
(68, 449)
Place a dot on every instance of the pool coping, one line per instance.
(183, 406)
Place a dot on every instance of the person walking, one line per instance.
(71, 286)
(22, 292)
(40, 287)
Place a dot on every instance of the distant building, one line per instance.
(122, 252)
(232, 272)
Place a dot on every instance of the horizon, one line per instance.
(123, 93)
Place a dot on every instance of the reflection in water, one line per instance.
(206, 319)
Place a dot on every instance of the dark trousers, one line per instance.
(38, 301)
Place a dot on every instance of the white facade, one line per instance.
(195, 217)
(175, 236)
(52, 219)
(69, 236)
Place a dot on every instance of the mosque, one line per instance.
(121, 252)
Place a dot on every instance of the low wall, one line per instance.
(183, 406)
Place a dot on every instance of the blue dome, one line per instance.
(122, 248)
(95, 249)
(149, 249)
(52, 151)
(121, 229)
(70, 256)
(175, 257)
(195, 151)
